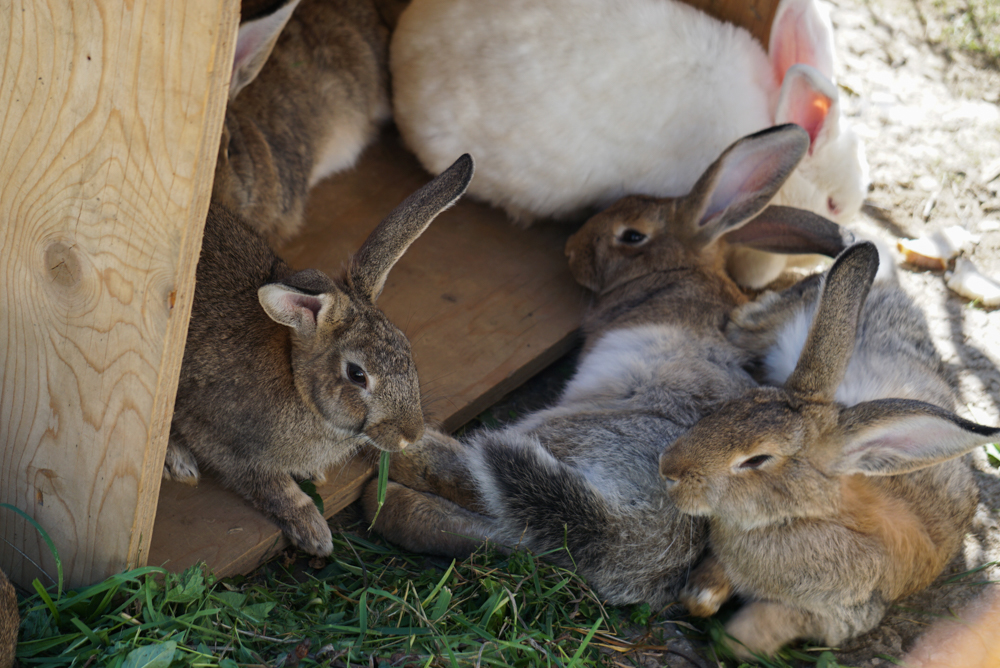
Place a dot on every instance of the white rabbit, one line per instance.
(571, 104)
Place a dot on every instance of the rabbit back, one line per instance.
(574, 103)
(315, 104)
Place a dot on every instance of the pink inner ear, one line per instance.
(799, 35)
(249, 41)
(743, 179)
(805, 106)
(304, 304)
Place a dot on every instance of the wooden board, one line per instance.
(484, 304)
(110, 118)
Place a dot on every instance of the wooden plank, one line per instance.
(110, 118)
(485, 305)
(211, 524)
(754, 15)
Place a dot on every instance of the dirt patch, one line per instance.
(925, 103)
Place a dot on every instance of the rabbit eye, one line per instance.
(356, 375)
(832, 206)
(754, 462)
(631, 237)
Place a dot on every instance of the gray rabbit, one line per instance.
(583, 474)
(286, 374)
(315, 101)
(835, 495)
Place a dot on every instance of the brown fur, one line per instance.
(582, 475)
(822, 514)
(323, 90)
(268, 389)
(10, 622)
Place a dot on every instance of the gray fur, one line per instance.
(823, 514)
(263, 400)
(583, 474)
(306, 112)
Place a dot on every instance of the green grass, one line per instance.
(367, 605)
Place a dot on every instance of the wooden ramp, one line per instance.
(485, 306)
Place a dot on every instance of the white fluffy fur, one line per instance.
(568, 104)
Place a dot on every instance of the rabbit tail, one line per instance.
(542, 503)
(628, 553)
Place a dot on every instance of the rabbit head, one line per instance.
(801, 51)
(781, 453)
(351, 365)
(638, 236)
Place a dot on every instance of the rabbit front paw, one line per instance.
(707, 588)
(307, 529)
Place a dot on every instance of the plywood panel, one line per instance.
(485, 306)
(110, 117)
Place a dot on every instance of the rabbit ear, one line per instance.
(390, 239)
(801, 32)
(254, 43)
(738, 185)
(810, 100)
(892, 436)
(785, 229)
(299, 300)
(834, 329)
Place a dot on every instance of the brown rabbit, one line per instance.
(822, 514)
(311, 108)
(286, 374)
(10, 622)
(582, 474)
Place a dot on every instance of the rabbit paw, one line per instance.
(180, 465)
(307, 529)
(703, 602)
(707, 588)
(763, 627)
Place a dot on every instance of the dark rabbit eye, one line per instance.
(631, 237)
(356, 375)
(754, 462)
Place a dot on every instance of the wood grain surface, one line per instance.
(485, 306)
(110, 117)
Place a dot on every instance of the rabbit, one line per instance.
(10, 622)
(840, 492)
(286, 374)
(583, 473)
(571, 104)
(302, 111)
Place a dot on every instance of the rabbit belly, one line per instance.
(574, 103)
(584, 473)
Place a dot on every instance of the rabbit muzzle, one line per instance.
(395, 435)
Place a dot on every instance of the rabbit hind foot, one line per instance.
(179, 464)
